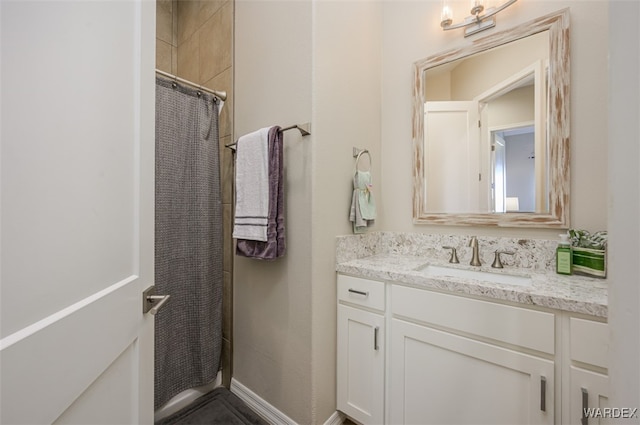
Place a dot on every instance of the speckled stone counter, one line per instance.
(399, 256)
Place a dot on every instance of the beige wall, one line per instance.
(194, 40)
(347, 67)
(300, 62)
(346, 113)
(411, 31)
(273, 300)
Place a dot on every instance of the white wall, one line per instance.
(412, 31)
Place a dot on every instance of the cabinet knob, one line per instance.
(355, 291)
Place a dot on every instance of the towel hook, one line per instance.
(357, 153)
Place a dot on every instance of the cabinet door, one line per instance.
(441, 378)
(589, 397)
(360, 392)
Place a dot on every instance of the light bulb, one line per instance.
(477, 6)
(446, 17)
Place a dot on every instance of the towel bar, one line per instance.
(305, 130)
(357, 153)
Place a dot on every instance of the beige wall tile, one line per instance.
(227, 304)
(188, 60)
(193, 14)
(226, 362)
(216, 43)
(223, 81)
(174, 32)
(164, 20)
(227, 236)
(208, 8)
(174, 60)
(188, 11)
(163, 56)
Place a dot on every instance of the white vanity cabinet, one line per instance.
(361, 349)
(458, 360)
(411, 355)
(589, 383)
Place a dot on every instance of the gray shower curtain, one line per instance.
(188, 245)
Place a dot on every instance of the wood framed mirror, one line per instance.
(491, 130)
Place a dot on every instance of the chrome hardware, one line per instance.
(475, 257)
(152, 303)
(454, 255)
(497, 264)
(355, 291)
(375, 338)
(543, 393)
(585, 405)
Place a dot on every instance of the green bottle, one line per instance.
(564, 256)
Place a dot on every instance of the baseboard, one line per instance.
(336, 419)
(259, 405)
(267, 411)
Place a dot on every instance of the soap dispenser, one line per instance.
(564, 256)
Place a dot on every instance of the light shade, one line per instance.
(477, 21)
(512, 204)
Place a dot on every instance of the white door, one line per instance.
(360, 369)
(77, 194)
(452, 156)
(589, 397)
(442, 378)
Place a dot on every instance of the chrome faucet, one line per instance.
(475, 258)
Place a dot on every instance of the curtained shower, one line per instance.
(189, 248)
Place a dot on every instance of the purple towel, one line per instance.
(274, 247)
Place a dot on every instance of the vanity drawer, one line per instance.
(589, 341)
(364, 292)
(513, 325)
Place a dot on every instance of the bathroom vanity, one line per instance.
(417, 347)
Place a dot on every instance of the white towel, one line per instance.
(252, 186)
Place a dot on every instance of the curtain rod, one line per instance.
(305, 130)
(222, 95)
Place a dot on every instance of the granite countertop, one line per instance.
(568, 293)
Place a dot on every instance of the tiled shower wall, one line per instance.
(194, 40)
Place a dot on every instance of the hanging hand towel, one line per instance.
(363, 207)
(252, 186)
(274, 247)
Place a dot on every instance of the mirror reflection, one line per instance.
(486, 113)
(491, 129)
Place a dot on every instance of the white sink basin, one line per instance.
(508, 279)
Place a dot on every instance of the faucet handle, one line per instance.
(497, 264)
(454, 256)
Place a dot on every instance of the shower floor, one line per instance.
(220, 406)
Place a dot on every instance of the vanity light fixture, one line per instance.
(477, 21)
